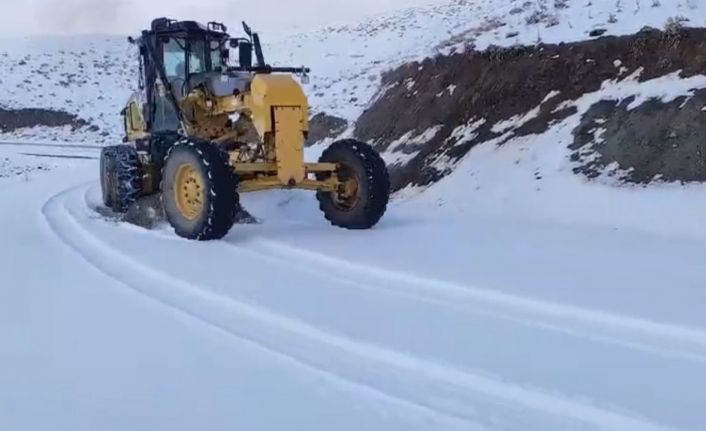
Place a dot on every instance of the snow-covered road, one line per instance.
(427, 322)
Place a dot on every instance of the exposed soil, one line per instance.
(655, 141)
(498, 84)
(322, 126)
(13, 119)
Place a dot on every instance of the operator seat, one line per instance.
(177, 81)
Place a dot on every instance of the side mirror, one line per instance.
(245, 54)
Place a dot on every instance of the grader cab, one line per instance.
(204, 128)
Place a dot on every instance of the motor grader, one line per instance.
(205, 127)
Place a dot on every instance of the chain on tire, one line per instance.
(199, 190)
(121, 177)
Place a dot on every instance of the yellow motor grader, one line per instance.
(202, 129)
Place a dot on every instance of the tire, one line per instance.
(121, 177)
(107, 169)
(199, 190)
(364, 207)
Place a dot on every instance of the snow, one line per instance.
(550, 96)
(350, 330)
(91, 77)
(511, 295)
(466, 132)
(517, 121)
(394, 155)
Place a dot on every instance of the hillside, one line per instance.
(92, 77)
(432, 113)
(88, 77)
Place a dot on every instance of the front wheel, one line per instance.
(199, 190)
(364, 192)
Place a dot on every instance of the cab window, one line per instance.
(216, 59)
(175, 59)
(197, 57)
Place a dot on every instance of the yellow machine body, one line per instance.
(280, 109)
(206, 126)
(272, 125)
(135, 125)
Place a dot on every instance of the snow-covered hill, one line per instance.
(92, 76)
(89, 76)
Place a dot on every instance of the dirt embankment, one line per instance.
(13, 119)
(322, 126)
(494, 89)
(655, 141)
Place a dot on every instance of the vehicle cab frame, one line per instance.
(171, 53)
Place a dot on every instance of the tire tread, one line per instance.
(378, 197)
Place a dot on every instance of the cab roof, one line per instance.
(166, 26)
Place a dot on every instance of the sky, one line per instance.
(32, 17)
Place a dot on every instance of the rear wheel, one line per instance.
(107, 168)
(121, 177)
(362, 198)
(199, 190)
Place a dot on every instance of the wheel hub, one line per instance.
(189, 191)
(347, 196)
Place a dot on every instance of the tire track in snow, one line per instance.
(36, 145)
(426, 386)
(661, 338)
(460, 299)
(626, 340)
(217, 311)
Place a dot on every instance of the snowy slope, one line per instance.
(90, 76)
(532, 177)
(345, 79)
(93, 76)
